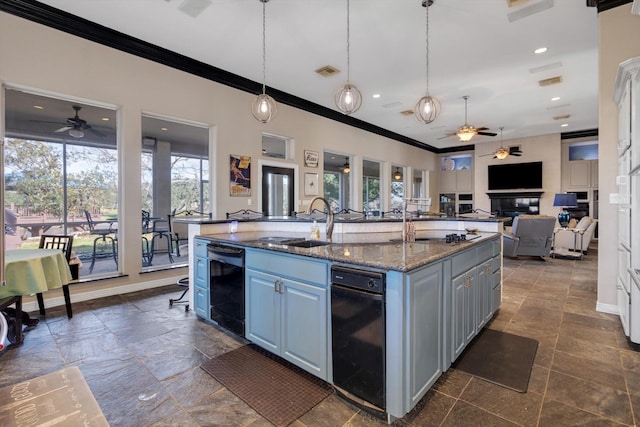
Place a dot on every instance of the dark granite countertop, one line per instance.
(378, 250)
(338, 218)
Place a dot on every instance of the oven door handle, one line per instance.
(225, 250)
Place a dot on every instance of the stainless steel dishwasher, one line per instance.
(358, 334)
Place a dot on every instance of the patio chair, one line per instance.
(65, 244)
(103, 234)
(179, 232)
(161, 229)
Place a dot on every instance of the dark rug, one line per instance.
(276, 389)
(500, 358)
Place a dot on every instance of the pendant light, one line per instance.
(502, 152)
(398, 175)
(346, 168)
(428, 108)
(348, 98)
(264, 107)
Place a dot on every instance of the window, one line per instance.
(60, 160)
(397, 187)
(336, 180)
(371, 187)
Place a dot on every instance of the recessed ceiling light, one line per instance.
(105, 119)
(38, 107)
(540, 50)
(555, 98)
(376, 95)
(164, 129)
(564, 125)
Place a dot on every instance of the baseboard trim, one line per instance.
(608, 308)
(101, 293)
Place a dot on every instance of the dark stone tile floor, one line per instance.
(141, 360)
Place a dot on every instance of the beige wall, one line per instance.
(544, 148)
(619, 33)
(52, 62)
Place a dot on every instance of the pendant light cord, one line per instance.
(264, 46)
(348, 46)
(427, 45)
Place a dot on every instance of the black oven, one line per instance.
(226, 286)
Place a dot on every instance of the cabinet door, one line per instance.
(425, 329)
(201, 302)
(262, 310)
(448, 181)
(464, 180)
(579, 173)
(483, 294)
(462, 313)
(304, 326)
(201, 287)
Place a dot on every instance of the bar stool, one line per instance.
(182, 282)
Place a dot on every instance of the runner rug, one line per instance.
(274, 388)
(500, 358)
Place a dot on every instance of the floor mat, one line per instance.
(276, 389)
(501, 358)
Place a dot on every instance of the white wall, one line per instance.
(52, 62)
(619, 32)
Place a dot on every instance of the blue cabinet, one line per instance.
(287, 310)
(201, 279)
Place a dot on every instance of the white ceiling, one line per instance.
(477, 48)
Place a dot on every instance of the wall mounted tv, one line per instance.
(515, 176)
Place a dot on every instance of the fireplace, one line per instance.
(512, 204)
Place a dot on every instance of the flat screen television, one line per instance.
(515, 176)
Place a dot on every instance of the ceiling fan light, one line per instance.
(398, 175)
(346, 168)
(466, 133)
(348, 98)
(76, 133)
(264, 108)
(427, 109)
(502, 153)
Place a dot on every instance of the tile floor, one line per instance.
(141, 360)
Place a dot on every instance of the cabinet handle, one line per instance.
(468, 281)
(278, 286)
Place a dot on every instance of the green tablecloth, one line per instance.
(29, 271)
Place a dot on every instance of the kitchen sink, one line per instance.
(299, 243)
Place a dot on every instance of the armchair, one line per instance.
(530, 235)
(574, 241)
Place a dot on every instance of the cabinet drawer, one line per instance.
(495, 264)
(497, 245)
(301, 268)
(463, 262)
(485, 252)
(200, 247)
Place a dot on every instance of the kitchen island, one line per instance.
(438, 295)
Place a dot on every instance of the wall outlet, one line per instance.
(249, 201)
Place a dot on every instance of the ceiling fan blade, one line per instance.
(64, 129)
(482, 128)
(94, 131)
(517, 154)
(485, 155)
(447, 136)
(487, 133)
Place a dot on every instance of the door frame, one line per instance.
(279, 164)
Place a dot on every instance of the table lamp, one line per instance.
(565, 200)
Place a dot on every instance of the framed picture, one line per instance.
(310, 184)
(240, 176)
(311, 159)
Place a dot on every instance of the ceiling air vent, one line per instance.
(550, 81)
(562, 117)
(407, 112)
(327, 71)
(512, 3)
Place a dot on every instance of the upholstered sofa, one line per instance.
(531, 235)
(575, 239)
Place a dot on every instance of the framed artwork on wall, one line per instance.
(311, 159)
(240, 176)
(310, 184)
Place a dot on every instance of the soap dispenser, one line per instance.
(315, 231)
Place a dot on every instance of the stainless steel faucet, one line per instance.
(329, 216)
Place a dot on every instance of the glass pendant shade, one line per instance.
(466, 133)
(348, 99)
(427, 109)
(76, 133)
(398, 175)
(264, 108)
(346, 168)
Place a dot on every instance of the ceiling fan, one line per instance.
(466, 132)
(502, 152)
(76, 126)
